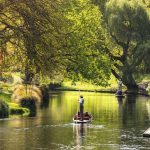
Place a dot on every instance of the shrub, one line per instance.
(22, 91)
(4, 109)
(30, 103)
(15, 109)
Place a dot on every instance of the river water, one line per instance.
(118, 124)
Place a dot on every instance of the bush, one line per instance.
(22, 91)
(15, 109)
(30, 103)
(4, 109)
(53, 86)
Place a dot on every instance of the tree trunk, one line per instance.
(128, 81)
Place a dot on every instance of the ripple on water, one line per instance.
(55, 125)
(61, 146)
(134, 147)
(5, 119)
(70, 125)
(116, 147)
(20, 129)
(95, 126)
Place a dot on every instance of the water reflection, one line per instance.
(120, 102)
(120, 106)
(116, 124)
(44, 103)
(80, 132)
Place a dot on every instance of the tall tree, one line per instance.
(54, 36)
(34, 30)
(127, 26)
(83, 32)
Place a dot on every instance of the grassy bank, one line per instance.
(113, 85)
(84, 86)
(87, 86)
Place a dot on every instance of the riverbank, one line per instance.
(7, 90)
(13, 108)
(23, 99)
(111, 90)
(68, 85)
(144, 87)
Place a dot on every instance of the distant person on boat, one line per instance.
(119, 91)
(81, 103)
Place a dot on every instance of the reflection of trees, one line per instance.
(66, 103)
(134, 110)
(134, 117)
(120, 101)
(120, 104)
(103, 107)
(44, 104)
(129, 110)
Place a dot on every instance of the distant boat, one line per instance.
(119, 93)
(86, 118)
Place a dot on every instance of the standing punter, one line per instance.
(81, 103)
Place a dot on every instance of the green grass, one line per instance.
(67, 85)
(87, 86)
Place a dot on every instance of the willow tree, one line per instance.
(127, 28)
(33, 29)
(52, 37)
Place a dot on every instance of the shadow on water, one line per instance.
(44, 104)
(120, 101)
(133, 115)
(127, 109)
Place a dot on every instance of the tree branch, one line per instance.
(115, 74)
(117, 41)
(112, 57)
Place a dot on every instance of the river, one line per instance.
(118, 124)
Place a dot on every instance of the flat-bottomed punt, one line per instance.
(147, 133)
(86, 118)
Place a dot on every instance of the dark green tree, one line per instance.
(127, 29)
(33, 29)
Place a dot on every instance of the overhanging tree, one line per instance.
(127, 30)
(33, 28)
(83, 32)
(52, 37)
